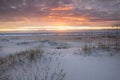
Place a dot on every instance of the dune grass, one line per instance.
(104, 47)
(87, 50)
(97, 50)
(8, 61)
(31, 64)
(17, 57)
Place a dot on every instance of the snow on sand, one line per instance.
(68, 59)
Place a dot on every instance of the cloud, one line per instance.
(75, 11)
(63, 8)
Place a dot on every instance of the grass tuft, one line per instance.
(88, 49)
(29, 65)
(30, 54)
(104, 47)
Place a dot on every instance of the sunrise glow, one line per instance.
(63, 15)
(57, 28)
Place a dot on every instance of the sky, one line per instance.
(35, 15)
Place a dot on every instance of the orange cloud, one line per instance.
(75, 18)
(63, 8)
